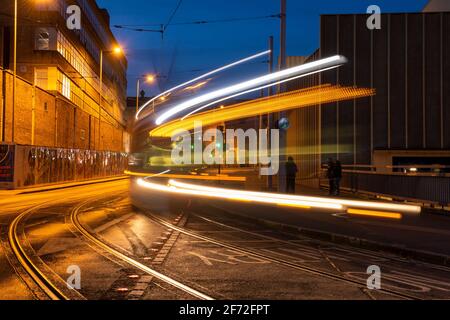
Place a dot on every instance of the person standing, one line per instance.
(337, 177)
(291, 173)
(330, 175)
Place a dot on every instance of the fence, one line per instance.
(25, 166)
(403, 184)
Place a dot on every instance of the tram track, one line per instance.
(55, 288)
(40, 279)
(74, 217)
(273, 259)
(52, 290)
(47, 284)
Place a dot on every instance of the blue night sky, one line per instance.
(189, 50)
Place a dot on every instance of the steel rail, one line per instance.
(46, 285)
(74, 216)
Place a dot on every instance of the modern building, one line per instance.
(58, 87)
(407, 62)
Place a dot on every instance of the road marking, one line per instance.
(113, 223)
(232, 257)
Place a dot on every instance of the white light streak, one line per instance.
(231, 195)
(243, 86)
(253, 90)
(201, 77)
(343, 202)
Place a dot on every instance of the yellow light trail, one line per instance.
(196, 86)
(187, 176)
(286, 101)
(236, 196)
(287, 201)
(378, 214)
(342, 202)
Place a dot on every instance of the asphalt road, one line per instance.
(196, 253)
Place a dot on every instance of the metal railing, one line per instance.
(405, 183)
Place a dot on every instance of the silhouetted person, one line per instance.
(330, 175)
(291, 173)
(337, 177)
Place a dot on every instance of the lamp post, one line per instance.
(281, 88)
(149, 79)
(14, 71)
(117, 50)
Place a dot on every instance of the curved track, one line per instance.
(53, 286)
(43, 281)
(74, 216)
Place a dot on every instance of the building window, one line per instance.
(65, 88)
(41, 78)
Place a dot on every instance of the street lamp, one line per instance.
(117, 51)
(14, 71)
(150, 78)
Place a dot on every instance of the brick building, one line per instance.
(58, 87)
(64, 125)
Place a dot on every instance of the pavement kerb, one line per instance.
(69, 185)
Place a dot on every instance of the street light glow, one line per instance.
(117, 50)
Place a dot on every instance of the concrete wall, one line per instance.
(408, 63)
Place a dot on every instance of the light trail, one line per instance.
(378, 214)
(342, 202)
(236, 196)
(285, 101)
(245, 85)
(160, 174)
(187, 176)
(197, 85)
(201, 77)
(253, 90)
